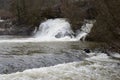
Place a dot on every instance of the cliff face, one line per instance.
(7, 28)
(107, 27)
(4, 9)
(5, 4)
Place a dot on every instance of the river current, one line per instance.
(56, 61)
(55, 53)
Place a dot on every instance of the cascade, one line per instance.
(60, 29)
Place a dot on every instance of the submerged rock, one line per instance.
(87, 50)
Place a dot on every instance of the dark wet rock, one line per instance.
(59, 35)
(87, 50)
(69, 34)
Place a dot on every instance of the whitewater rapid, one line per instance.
(58, 29)
(98, 67)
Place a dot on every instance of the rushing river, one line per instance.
(56, 61)
(55, 53)
(20, 56)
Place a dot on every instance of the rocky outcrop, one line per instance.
(7, 28)
(107, 27)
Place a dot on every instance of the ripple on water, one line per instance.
(85, 70)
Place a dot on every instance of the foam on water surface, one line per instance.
(1, 20)
(98, 66)
(55, 30)
(84, 70)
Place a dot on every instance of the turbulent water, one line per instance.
(56, 30)
(60, 30)
(21, 56)
(97, 67)
(64, 61)
(55, 53)
(1, 20)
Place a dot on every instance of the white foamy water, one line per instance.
(56, 30)
(98, 67)
(1, 20)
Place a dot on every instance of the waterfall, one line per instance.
(60, 29)
(85, 29)
(54, 29)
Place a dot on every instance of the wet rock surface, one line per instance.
(7, 28)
